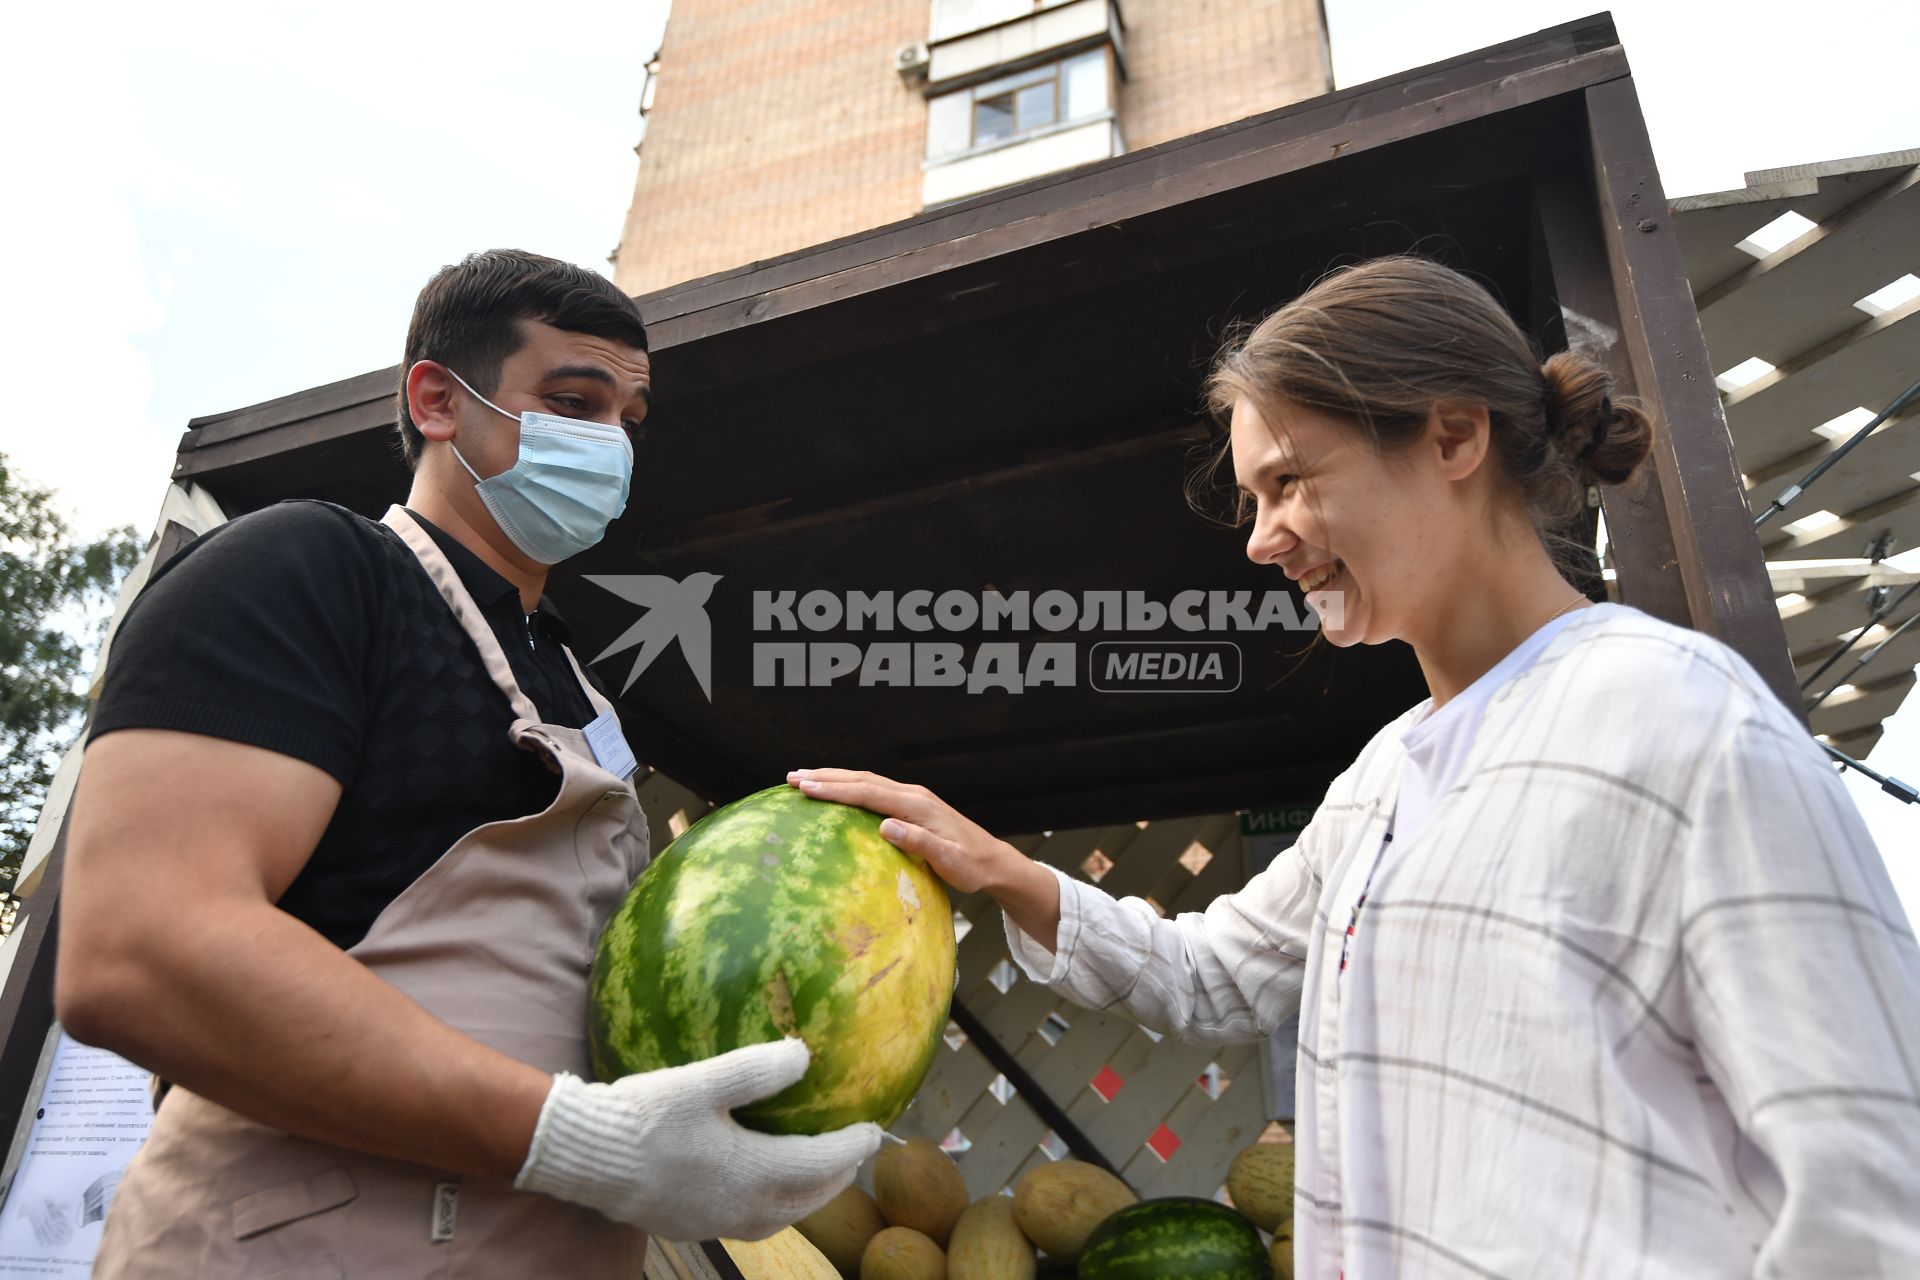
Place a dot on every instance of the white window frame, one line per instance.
(1053, 72)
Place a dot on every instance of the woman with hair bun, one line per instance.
(1599, 972)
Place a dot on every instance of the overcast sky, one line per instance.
(214, 204)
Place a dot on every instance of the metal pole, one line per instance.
(1793, 491)
(1869, 656)
(1883, 611)
(1903, 791)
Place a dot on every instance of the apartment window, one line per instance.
(1020, 105)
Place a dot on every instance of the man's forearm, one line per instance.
(250, 1008)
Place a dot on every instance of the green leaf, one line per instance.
(56, 597)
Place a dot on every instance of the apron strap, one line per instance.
(600, 705)
(465, 611)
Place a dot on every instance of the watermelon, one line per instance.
(1179, 1238)
(781, 915)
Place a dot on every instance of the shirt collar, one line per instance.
(489, 590)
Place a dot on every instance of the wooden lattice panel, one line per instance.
(1148, 1103)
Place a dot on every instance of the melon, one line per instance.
(1282, 1249)
(1181, 1238)
(781, 915)
(841, 1228)
(785, 1254)
(1058, 1205)
(1261, 1184)
(901, 1253)
(917, 1185)
(987, 1244)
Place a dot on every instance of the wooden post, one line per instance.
(1722, 572)
(1637, 533)
(26, 1003)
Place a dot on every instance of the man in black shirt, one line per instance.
(349, 824)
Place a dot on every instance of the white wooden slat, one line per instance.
(1708, 236)
(1711, 225)
(1864, 706)
(1859, 744)
(1900, 655)
(1878, 466)
(1869, 365)
(1804, 294)
(1848, 536)
(1812, 626)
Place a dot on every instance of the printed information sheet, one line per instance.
(92, 1117)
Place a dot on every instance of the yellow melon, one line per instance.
(901, 1253)
(1282, 1249)
(1058, 1205)
(1261, 1184)
(785, 1255)
(918, 1186)
(988, 1244)
(841, 1228)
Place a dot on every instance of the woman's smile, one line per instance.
(1318, 578)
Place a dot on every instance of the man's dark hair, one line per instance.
(466, 318)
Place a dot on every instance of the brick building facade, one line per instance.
(778, 124)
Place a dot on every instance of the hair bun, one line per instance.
(1596, 435)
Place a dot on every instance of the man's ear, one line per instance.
(1460, 434)
(431, 399)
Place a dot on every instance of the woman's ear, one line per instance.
(1460, 436)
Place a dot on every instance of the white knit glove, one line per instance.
(659, 1151)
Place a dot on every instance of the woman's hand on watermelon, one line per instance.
(960, 851)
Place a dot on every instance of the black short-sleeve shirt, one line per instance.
(314, 632)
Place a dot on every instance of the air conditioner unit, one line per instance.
(911, 61)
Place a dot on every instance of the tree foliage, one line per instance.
(54, 600)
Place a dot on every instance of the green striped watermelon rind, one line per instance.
(1176, 1238)
(749, 927)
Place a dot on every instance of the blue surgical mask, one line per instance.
(570, 483)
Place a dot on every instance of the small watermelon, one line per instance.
(1180, 1238)
(773, 916)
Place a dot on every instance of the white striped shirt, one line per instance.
(1637, 999)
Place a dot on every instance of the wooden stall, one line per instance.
(1002, 395)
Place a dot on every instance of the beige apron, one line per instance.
(495, 939)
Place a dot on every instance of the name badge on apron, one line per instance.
(610, 747)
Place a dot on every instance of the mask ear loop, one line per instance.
(463, 462)
(483, 400)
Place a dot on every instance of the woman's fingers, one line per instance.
(914, 839)
(869, 791)
(917, 821)
(949, 860)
